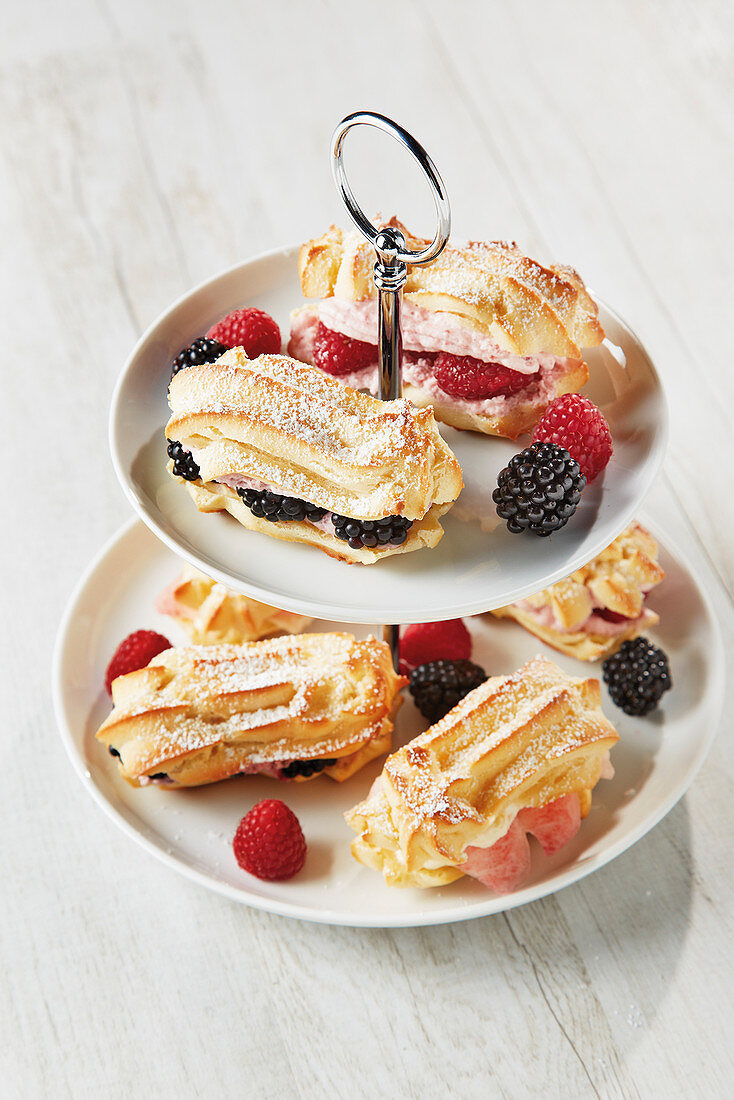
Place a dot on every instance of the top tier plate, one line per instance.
(473, 569)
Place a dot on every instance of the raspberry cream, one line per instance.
(595, 624)
(429, 332)
(542, 390)
(301, 344)
(425, 330)
(274, 770)
(504, 864)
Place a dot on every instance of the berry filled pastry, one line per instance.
(211, 614)
(601, 605)
(292, 453)
(490, 337)
(520, 754)
(289, 708)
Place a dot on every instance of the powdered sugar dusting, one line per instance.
(491, 284)
(433, 774)
(293, 426)
(300, 697)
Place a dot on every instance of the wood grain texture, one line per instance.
(144, 146)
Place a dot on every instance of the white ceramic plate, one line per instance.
(191, 831)
(470, 571)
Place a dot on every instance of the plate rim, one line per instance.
(334, 611)
(493, 905)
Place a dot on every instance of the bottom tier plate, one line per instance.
(191, 830)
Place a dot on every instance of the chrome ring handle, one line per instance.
(365, 226)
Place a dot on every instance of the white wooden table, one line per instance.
(148, 144)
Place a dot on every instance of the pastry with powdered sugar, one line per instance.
(591, 613)
(518, 756)
(212, 614)
(292, 453)
(290, 708)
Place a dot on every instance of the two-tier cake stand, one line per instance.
(478, 566)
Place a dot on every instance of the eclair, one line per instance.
(292, 453)
(291, 708)
(490, 337)
(211, 614)
(519, 755)
(589, 614)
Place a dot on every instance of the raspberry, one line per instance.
(269, 841)
(473, 379)
(637, 676)
(251, 329)
(136, 651)
(574, 423)
(338, 354)
(422, 642)
(539, 490)
(438, 686)
(610, 616)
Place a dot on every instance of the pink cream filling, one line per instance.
(273, 769)
(427, 331)
(166, 603)
(505, 864)
(502, 866)
(594, 624)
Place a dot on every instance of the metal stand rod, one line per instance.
(391, 635)
(391, 268)
(390, 276)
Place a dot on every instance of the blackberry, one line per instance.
(539, 490)
(438, 686)
(305, 768)
(201, 351)
(183, 461)
(276, 506)
(371, 532)
(637, 675)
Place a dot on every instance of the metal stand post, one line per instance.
(391, 267)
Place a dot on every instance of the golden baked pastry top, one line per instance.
(292, 426)
(490, 286)
(211, 614)
(616, 579)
